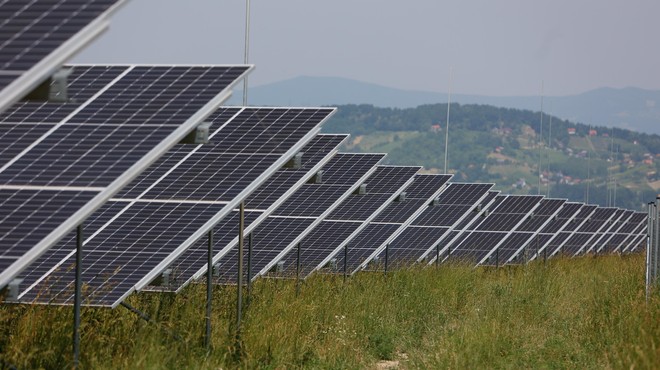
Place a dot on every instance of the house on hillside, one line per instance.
(571, 130)
(593, 132)
(436, 128)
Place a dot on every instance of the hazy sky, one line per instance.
(495, 47)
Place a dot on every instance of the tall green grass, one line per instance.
(578, 313)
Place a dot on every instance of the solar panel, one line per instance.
(597, 223)
(556, 246)
(518, 247)
(419, 195)
(104, 143)
(632, 225)
(194, 259)
(637, 244)
(348, 219)
(489, 234)
(38, 36)
(420, 239)
(198, 206)
(637, 226)
(271, 244)
(550, 232)
(601, 244)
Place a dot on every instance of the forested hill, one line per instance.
(501, 145)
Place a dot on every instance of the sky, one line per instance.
(491, 47)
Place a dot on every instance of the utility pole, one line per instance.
(247, 49)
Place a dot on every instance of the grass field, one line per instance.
(580, 313)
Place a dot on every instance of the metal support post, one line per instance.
(239, 276)
(649, 243)
(497, 258)
(437, 256)
(209, 289)
(77, 298)
(654, 243)
(298, 270)
(387, 256)
(345, 262)
(249, 269)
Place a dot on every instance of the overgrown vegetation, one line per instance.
(579, 313)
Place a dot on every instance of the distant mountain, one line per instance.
(631, 108)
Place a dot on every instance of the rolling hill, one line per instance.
(631, 108)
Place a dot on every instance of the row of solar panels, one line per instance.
(344, 210)
(146, 159)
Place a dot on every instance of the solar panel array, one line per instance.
(156, 217)
(52, 181)
(108, 148)
(437, 220)
(300, 214)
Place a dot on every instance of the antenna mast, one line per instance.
(540, 140)
(447, 130)
(548, 152)
(588, 164)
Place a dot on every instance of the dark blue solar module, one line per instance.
(101, 144)
(492, 231)
(411, 244)
(113, 134)
(590, 230)
(28, 216)
(112, 257)
(353, 214)
(117, 286)
(269, 240)
(360, 248)
(339, 175)
(546, 210)
(268, 194)
(83, 83)
(317, 245)
(539, 245)
(315, 202)
(425, 186)
(419, 195)
(603, 234)
(565, 215)
(386, 181)
(475, 246)
(36, 36)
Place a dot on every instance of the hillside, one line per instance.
(630, 108)
(500, 145)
